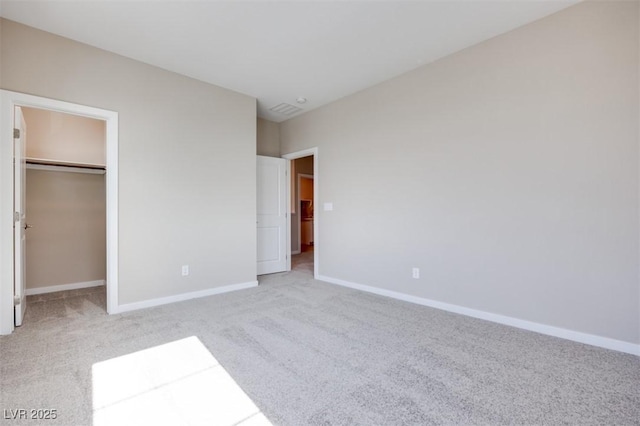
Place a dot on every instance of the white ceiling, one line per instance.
(278, 51)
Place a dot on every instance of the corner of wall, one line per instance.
(268, 138)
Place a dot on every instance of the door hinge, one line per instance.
(16, 133)
(16, 217)
(17, 300)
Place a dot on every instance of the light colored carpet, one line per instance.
(307, 352)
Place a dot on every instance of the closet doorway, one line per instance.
(65, 196)
(12, 216)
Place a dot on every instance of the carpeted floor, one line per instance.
(307, 352)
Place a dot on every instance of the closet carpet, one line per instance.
(303, 352)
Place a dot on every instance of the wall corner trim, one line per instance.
(184, 296)
(576, 336)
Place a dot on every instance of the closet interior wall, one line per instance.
(66, 247)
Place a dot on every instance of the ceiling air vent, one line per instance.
(285, 109)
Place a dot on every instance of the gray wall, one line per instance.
(268, 138)
(67, 244)
(507, 172)
(187, 175)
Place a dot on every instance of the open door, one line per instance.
(20, 218)
(272, 215)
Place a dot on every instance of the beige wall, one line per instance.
(507, 172)
(180, 140)
(64, 137)
(67, 243)
(268, 138)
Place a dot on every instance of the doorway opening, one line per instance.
(65, 208)
(305, 209)
(42, 168)
(304, 220)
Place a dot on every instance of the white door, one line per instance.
(20, 219)
(272, 215)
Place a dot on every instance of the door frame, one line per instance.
(316, 201)
(20, 221)
(8, 101)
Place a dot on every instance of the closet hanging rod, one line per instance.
(63, 163)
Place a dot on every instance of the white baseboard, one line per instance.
(296, 252)
(576, 336)
(184, 296)
(63, 287)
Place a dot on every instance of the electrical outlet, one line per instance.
(416, 273)
(185, 270)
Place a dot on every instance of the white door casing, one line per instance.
(271, 215)
(20, 219)
(8, 101)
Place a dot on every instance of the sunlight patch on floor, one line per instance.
(175, 383)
